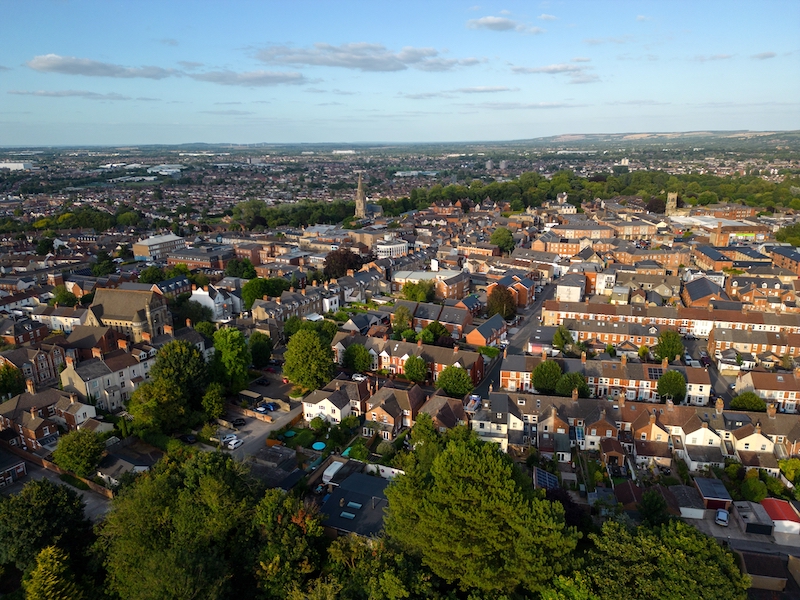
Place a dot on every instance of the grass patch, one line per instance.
(489, 351)
(73, 481)
(297, 392)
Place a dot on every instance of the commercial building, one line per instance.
(156, 248)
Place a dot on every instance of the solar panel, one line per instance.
(543, 479)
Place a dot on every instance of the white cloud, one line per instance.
(502, 24)
(70, 65)
(484, 89)
(642, 18)
(189, 65)
(764, 55)
(232, 112)
(704, 58)
(73, 94)
(426, 95)
(249, 78)
(637, 103)
(362, 56)
(525, 106)
(581, 59)
(577, 73)
(546, 17)
(609, 40)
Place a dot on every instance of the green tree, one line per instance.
(44, 246)
(455, 381)
(358, 358)
(104, 264)
(562, 338)
(152, 275)
(672, 383)
(257, 288)
(502, 238)
(240, 268)
(260, 349)
(669, 345)
(545, 377)
(182, 364)
(790, 468)
(234, 356)
(79, 451)
(62, 297)
(672, 561)
(160, 404)
(401, 320)
(51, 578)
(568, 382)
(653, 509)
(748, 401)
(422, 291)
(11, 380)
(214, 401)
(308, 361)
(359, 450)
(495, 538)
(42, 514)
(501, 302)
(415, 369)
(338, 262)
(753, 489)
(437, 330)
(644, 352)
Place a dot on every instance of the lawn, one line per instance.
(302, 437)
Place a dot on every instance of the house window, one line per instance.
(480, 425)
(747, 446)
(594, 431)
(710, 442)
(763, 447)
(608, 433)
(644, 436)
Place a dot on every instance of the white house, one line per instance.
(333, 406)
(223, 304)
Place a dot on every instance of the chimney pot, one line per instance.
(544, 355)
(719, 406)
(188, 322)
(624, 359)
(772, 410)
(455, 349)
(583, 358)
(574, 393)
(419, 342)
(30, 386)
(352, 333)
(664, 363)
(385, 337)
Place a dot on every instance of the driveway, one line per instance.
(254, 433)
(96, 506)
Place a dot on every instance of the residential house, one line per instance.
(224, 305)
(39, 363)
(389, 410)
(445, 412)
(490, 333)
(781, 389)
(29, 416)
(60, 318)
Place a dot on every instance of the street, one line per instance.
(719, 383)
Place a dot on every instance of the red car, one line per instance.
(285, 380)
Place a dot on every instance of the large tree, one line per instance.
(423, 291)
(260, 349)
(670, 345)
(455, 381)
(562, 338)
(240, 268)
(152, 275)
(358, 358)
(501, 302)
(160, 404)
(232, 353)
(104, 264)
(495, 538)
(308, 361)
(503, 239)
(338, 262)
(257, 288)
(545, 377)
(749, 401)
(182, 364)
(79, 451)
(42, 514)
(570, 381)
(51, 578)
(63, 297)
(11, 380)
(672, 383)
(213, 401)
(401, 320)
(415, 369)
(673, 561)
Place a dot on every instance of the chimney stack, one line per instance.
(33, 412)
(583, 358)
(664, 363)
(122, 344)
(303, 291)
(622, 401)
(652, 418)
(670, 405)
(719, 406)
(544, 355)
(70, 361)
(419, 343)
(574, 394)
(624, 359)
(385, 337)
(352, 333)
(97, 353)
(194, 287)
(505, 352)
(30, 386)
(315, 283)
(168, 330)
(455, 349)
(758, 427)
(291, 290)
(772, 410)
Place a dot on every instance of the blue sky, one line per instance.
(112, 72)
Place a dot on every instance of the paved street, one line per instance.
(719, 383)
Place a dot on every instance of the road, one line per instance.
(719, 383)
(516, 343)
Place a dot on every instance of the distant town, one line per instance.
(617, 320)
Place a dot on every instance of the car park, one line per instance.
(234, 444)
(722, 517)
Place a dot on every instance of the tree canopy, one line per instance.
(455, 381)
(546, 376)
(240, 268)
(401, 319)
(233, 355)
(260, 349)
(308, 361)
(181, 363)
(502, 238)
(79, 451)
(501, 302)
(62, 297)
(358, 358)
(669, 345)
(422, 291)
(415, 369)
(749, 401)
(672, 383)
(338, 262)
(11, 380)
(570, 381)
(257, 288)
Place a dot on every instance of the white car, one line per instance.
(228, 438)
(358, 377)
(721, 517)
(234, 444)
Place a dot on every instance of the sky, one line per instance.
(165, 72)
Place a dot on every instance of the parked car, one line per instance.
(705, 361)
(228, 438)
(261, 408)
(238, 422)
(271, 406)
(359, 377)
(188, 438)
(285, 380)
(234, 444)
(721, 517)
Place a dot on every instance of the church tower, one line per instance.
(361, 200)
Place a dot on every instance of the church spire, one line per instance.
(361, 200)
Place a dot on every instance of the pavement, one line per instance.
(96, 506)
(719, 383)
(254, 434)
(737, 539)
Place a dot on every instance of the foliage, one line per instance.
(44, 246)
(62, 297)
(502, 238)
(790, 467)
(753, 489)
(673, 561)
(568, 382)
(546, 376)
(359, 450)
(672, 383)
(653, 509)
(260, 349)
(748, 401)
(358, 358)
(160, 404)
(152, 275)
(423, 291)
(501, 302)
(42, 514)
(240, 268)
(308, 360)
(51, 578)
(11, 380)
(562, 338)
(206, 328)
(104, 264)
(401, 319)
(184, 309)
(182, 364)
(79, 451)
(213, 401)
(338, 262)
(415, 369)
(257, 288)
(495, 538)
(644, 352)
(489, 351)
(669, 345)
(455, 381)
(232, 353)
(326, 329)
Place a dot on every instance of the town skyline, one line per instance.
(363, 73)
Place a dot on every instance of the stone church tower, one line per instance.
(361, 200)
